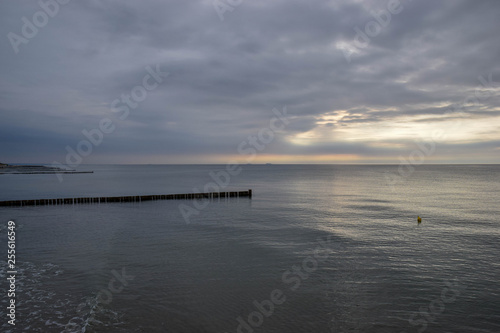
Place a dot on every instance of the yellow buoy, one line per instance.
(419, 219)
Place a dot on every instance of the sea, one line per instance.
(317, 248)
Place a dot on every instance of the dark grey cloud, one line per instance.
(225, 77)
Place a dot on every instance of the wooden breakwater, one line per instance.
(133, 198)
(44, 172)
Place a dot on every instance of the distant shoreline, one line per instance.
(34, 169)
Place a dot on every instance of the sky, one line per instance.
(249, 81)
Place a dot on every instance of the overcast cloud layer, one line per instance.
(430, 73)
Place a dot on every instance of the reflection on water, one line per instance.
(384, 272)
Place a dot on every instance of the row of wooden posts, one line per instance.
(42, 172)
(134, 198)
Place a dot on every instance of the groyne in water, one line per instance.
(43, 172)
(133, 198)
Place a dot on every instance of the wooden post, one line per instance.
(140, 198)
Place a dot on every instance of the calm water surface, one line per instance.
(340, 246)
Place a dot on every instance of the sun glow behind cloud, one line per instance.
(433, 69)
(459, 128)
